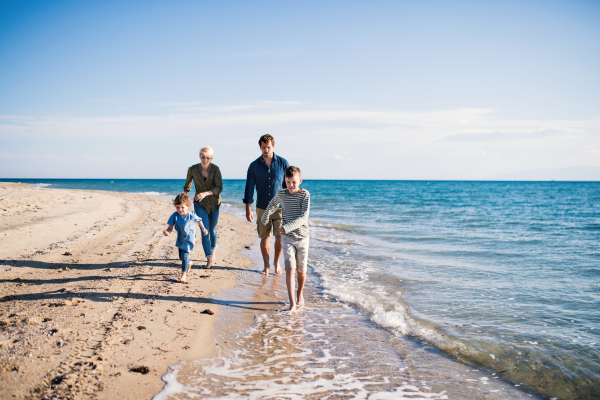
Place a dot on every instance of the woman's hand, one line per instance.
(202, 195)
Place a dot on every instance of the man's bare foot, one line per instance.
(292, 307)
(265, 271)
(300, 300)
(183, 278)
(209, 263)
(278, 270)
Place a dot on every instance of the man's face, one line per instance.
(293, 183)
(267, 149)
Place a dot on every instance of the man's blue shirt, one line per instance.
(267, 180)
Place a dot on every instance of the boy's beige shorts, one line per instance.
(295, 253)
(272, 226)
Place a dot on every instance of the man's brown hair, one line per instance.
(266, 139)
(291, 171)
(182, 198)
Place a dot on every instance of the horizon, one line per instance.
(460, 90)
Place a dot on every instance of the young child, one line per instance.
(183, 220)
(295, 204)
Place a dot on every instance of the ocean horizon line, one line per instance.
(307, 179)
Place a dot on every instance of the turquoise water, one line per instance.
(503, 276)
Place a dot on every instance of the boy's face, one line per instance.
(182, 209)
(293, 183)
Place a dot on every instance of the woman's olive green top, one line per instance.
(213, 182)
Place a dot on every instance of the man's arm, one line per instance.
(249, 193)
(302, 218)
(273, 205)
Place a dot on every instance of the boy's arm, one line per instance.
(273, 204)
(303, 218)
(168, 230)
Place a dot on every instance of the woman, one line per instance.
(208, 183)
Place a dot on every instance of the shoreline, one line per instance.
(89, 295)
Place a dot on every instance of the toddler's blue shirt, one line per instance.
(186, 229)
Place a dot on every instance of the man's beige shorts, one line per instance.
(272, 226)
(295, 253)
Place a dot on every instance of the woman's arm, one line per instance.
(188, 181)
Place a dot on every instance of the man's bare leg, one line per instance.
(278, 251)
(289, 281)
(301, 280)
(265, 249)
(209, 263)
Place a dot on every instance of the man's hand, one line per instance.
(249, 215)
(282, 230)
(198, 197)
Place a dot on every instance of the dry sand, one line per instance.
(90, 293)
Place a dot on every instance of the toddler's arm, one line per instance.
(201, 225)
(168, 230)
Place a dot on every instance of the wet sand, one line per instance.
(90, 303)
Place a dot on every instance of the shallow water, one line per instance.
(327, 349)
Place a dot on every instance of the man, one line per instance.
(266, 173)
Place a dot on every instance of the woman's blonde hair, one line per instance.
(208, 151)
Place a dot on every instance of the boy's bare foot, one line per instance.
(265, 271)
(278, 269)
(292, 307)
(209, 263)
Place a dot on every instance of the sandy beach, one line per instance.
(91, 306)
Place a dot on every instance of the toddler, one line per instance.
(183, 221)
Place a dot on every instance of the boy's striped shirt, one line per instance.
(295, 208)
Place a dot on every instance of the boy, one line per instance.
(295, 204)
(183, 221)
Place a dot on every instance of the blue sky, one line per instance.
(349, 89)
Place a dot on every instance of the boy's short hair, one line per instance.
(266, 139)
(291, 171)
(182, 198)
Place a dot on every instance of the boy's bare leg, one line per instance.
(289, 281)
(278, 251)
(265, 249)
(301, 280)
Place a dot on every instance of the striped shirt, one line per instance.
(295, 208)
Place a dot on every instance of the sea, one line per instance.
(417, 290)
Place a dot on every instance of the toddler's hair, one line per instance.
(182, 198)
(266, 139)
(291, 171)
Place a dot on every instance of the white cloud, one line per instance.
(447, 144)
